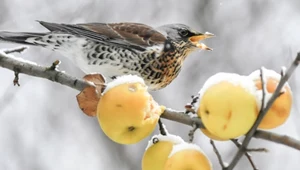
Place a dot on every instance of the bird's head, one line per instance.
(184, 36)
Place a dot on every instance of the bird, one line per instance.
(116, 49)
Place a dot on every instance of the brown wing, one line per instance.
(133, 35)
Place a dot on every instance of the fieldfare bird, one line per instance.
(115, 49)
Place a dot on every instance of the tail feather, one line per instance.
(19, 37)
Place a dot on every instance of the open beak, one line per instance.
(196, 38)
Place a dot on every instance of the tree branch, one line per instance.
(26, 67)
(264, 109)
(281, 139)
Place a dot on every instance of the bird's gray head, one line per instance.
(183, 34)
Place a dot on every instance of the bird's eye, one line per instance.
(183, 32)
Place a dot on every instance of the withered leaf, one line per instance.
(89, 97)
(98, 80)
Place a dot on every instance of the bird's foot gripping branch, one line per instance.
(256, 98)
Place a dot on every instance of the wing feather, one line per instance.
(129, 35)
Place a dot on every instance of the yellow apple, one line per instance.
(210, 135)
(158, 150)
(187, 156)
(126, 112)
(281, 108)
(228, 107)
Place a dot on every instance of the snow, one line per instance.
(194, 115)
(187, 146)
(267, 73)
(283, 70)
(169, 138)
(122, 80)
(233, 78)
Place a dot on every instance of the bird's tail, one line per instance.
(19, 37)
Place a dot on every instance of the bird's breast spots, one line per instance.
(101, 56)
(142, 65)
(153, 55)
(89, 56)
(155, 65)
(152, 74)
(94, 62)
(177, 70)
(100, 48)
(145, 60)
(158, 75)
(114, 64)
(103, 63)
(112, 58)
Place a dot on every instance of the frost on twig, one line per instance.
(192, 132)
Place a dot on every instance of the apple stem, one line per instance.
(162, 128)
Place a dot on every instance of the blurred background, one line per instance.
(42, 127)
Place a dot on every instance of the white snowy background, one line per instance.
(41, 126)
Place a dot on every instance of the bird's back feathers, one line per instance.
(126, 35)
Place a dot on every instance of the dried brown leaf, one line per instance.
(89, 97)
(98, 80)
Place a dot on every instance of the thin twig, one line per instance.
(263, 111)
(54, 65)
(277, 138)
(249, 157)
(257, 150)
(57, 76)
(190, 107)
(192, 132)
(162, 128)
(181, 117)
(238, 144)
(16, 79)
(15, 50)
(218, 154)
(263, 89)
